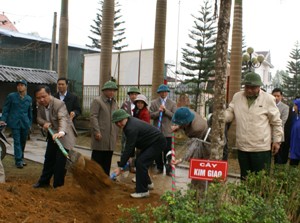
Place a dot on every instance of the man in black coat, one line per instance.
(71, 100)
(145, 137)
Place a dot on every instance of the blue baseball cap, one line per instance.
(22, 82)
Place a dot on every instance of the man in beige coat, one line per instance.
(258, 124)
(104, 132)
(52, 112)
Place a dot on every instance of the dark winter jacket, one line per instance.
(140, 135)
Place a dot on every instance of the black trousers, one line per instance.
(254, 162)
(143, 162)
(283, 154)
(161, 158)
(54, 165)
(103, 158)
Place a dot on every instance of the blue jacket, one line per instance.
(17, 112)
(295, 138)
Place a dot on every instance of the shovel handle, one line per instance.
(60, 146)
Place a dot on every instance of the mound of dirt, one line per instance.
(20, 202)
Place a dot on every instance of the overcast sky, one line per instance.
(268, 25)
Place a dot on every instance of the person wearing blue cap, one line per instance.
(161, 111)
(196, 128)
(295, 134)
(17, 114)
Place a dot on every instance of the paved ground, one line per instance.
(35, 150)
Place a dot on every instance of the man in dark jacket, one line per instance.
(71, 100)
(145, 137)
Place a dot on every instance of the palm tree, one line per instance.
(236, 50)
(218, 125)
(62, 67)
(235, 61)
(159, 45)
(106, 41)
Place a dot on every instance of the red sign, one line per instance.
(208, 169)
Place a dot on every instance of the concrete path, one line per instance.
(35, 151)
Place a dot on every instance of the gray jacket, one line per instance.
(167, 115)
(284, 114)
(60, 121)
(100, 120)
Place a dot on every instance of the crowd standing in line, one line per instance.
(162, 110)
(103, 132)
(259, 133)
(52, 112)
(258, 124)
(17, 114)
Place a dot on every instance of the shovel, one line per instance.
(88, 174)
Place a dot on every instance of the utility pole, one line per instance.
(176, 63)
(53, 44)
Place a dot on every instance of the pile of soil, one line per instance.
(20, 202)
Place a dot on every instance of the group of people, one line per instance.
(57, 112)
(260, 120)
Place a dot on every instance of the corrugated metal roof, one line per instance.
(6, 32)
(34, 76)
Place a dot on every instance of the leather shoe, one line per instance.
(40, 185)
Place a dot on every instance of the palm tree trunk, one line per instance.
(235, 62)
(62, 67)
(107, 31)
(236, 50)
(218, 124)
(159, 45)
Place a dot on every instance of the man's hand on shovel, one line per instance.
(58, 135)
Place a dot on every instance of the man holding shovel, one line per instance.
(145, 137)
(52, 112)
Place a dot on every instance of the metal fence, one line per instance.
(90, 92)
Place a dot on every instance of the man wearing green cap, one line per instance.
(17, 114)
(103, 132)
(128, 106)
(150, 142)
(258, 124)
